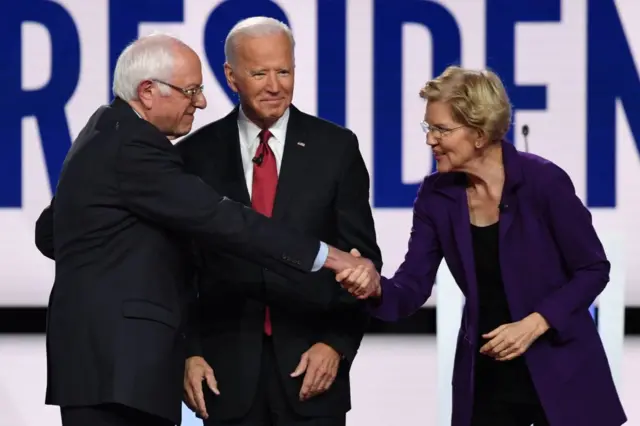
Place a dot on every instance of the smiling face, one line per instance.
(262, 74)
(454, 145)
(467, 114)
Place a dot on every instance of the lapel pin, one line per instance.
(301, 144)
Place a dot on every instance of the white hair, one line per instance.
(256, 26)
(150, 57)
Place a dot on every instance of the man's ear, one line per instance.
(145, 93)
(230, 76)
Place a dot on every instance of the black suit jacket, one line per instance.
(323, 191)
(120, 229)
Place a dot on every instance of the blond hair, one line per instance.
(477, 99)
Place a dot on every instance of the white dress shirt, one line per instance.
(250, 140)
(249, 135)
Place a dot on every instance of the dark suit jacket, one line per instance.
(552, 263)
(323, 190)
(119, 229)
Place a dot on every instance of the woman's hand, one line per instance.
(512, 340)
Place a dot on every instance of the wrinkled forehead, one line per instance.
(269, 51)
(187, 70)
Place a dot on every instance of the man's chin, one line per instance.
(183, 131)
(272, 113)
(275, 111)
(176, 134)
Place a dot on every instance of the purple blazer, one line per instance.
(552, 263)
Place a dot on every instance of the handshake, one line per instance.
(355, 273)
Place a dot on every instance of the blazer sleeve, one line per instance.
(581, 250)
(192, 330)
(355, 229)
(44, 232)
(192, 333)
(154, 186)
(411, 285)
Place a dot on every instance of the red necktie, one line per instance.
(263, 194)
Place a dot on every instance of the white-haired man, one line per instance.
(125, 215)
(280, 356)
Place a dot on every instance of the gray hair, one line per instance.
(149, 58)
(256, 26)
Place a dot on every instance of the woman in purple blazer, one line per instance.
(522, 248)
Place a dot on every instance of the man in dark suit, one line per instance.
(119, 229)
(281, 356)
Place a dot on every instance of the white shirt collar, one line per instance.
(250, 131)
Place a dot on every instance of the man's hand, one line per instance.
(363, 281)
(512, 340)
(338, 260)
(196, 370)
(319, 365)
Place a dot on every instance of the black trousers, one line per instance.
(109, 415)
(499, 413)
(270, 406)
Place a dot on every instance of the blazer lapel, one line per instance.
(458, 210)
(294, 163)
(507, 213)
(460, 213)
(228, 159)
(513, 180)
(462, 232)
(455, 190)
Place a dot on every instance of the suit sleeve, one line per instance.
(411, 285)
(154, 186)
(356, 229)
(192, 330)
(581, 250)
(44, 232)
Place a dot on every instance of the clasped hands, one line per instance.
(355, 273)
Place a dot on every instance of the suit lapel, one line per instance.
(228, 159)
(453, 188)
(507, 213)
(294, 163)
(458, 210)
(455, 191)
(513, 180)
(462, 233)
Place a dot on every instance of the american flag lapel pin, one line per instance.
(301, 144)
